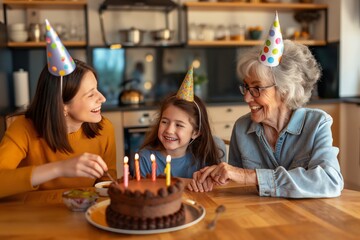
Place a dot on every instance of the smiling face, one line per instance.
(266, 107)
(86, 104)
(176, 131)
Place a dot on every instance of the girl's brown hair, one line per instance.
(203, 148)
(47, 108)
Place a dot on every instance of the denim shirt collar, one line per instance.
(294, 126)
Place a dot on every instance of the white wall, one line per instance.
(350, 48)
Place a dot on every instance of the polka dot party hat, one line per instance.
(270, 54)
(186, 90)
(60, 63)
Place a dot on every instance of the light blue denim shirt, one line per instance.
(304, 163)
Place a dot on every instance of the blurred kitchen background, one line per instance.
(157, 69)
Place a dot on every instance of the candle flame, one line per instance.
(136, 156)
(126, 159)
(152, 157)
(168, 158)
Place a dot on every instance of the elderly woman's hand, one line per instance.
(223, 173)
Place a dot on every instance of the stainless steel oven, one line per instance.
(136, 124)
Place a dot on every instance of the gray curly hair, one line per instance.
(295, 77)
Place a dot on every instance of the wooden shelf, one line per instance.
(220, 6)
(42, 44)
(58, 4)
(230, 43)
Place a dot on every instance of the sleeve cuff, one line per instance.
(266, 181)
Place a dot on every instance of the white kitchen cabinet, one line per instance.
(333, 109)
(116, 119)
(222, 120)
(350, 144)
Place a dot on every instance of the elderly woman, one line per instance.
(281, 147)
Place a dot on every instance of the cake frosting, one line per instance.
(146, 204)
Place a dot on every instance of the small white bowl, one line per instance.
(19, 36)
(102, 188)
(17, 27)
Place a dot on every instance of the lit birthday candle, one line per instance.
(126, 172)
(168, 170)
(137, 167)
(153, 167)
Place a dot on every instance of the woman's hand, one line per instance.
(223, 173)
(84, 165)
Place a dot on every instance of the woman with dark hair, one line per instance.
(62, 141)
(181, 130)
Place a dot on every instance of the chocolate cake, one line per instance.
(145, 204)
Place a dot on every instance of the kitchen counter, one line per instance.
(218, 102)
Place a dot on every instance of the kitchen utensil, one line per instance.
(219, 209)
(130, 96)
(164, 34)
(36, 32)
(111, 178)
(132, 35)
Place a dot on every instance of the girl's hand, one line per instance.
(196, 186)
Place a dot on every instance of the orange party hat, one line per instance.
(186, 90)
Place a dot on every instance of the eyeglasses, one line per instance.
(254, 91)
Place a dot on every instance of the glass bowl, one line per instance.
(79, 200)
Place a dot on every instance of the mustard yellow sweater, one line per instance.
(21, 149)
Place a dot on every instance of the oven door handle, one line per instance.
(138, 130)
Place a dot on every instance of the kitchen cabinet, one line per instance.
(257, 7)
(136, 36)
(350, 144)
(42, 5)
(222, 120)
(333, 109)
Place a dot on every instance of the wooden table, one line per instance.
(42, 215)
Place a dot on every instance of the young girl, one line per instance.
(182, 131)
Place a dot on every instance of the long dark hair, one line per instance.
(47, 108)
(203, 148)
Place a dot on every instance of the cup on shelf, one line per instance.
(18, 33)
